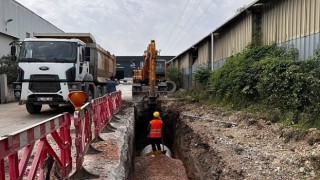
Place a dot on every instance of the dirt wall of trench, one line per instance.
(217, 144)
(200, 159)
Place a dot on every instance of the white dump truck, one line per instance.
(53, 64)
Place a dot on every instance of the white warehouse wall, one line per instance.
(22, 21)
(4, 44)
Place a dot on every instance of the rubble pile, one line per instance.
(159, 168)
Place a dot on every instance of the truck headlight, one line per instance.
(17, 85)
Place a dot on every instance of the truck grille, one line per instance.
(44, 83)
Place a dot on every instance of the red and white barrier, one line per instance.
(116, 101)
(82, 122)
(58, 127)
(101, 114)
(99, 111)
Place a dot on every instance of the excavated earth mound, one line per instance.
(218, 144)
(162, 167)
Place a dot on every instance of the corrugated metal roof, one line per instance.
(221, 26)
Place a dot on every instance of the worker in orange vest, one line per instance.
(155, 133)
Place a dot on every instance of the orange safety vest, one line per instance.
(156, 128)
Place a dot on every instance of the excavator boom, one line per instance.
(150, 81)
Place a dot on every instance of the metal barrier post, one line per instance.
(82, 123)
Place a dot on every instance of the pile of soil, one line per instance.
(149, 167)
(218, 144)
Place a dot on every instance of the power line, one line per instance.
(185, 7)
(186, 23)
(193, 26)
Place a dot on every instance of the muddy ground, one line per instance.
(219, 144)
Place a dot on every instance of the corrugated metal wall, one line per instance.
(290, 19)
(4, 44)
(184, 61)
(289, 23)
(203, 59)
(23, 21)
(234, 39)
(185, 66)
(203, 53)
(292, 23)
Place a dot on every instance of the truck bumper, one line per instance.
(59, 97)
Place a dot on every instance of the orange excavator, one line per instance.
(151, 80)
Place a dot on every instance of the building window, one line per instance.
(27, 35)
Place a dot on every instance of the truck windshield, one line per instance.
(48, 51)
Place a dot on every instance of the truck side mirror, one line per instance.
(87, 54)
(13, 50)
(13, 53)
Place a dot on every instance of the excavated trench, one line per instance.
(142, 118)
(170, 119)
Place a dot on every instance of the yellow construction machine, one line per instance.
(151, 81)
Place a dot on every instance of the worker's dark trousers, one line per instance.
(155, 143)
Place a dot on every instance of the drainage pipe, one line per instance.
(148, 149)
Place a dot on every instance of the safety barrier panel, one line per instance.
(82, 122)
(100, 112)
(58, 127)
(116, 101)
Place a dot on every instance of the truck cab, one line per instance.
(54, 64)
(48, 70)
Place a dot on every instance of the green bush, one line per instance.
(236, 81)
(286, 85)
(202, 75)
(269, 81)
(270, 77)
(175, 74)
(9, 67)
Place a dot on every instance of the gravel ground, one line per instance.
(218, 144)
(149, 167)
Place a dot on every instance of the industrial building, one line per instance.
(288, 23)
(17, 23)
(125, 65)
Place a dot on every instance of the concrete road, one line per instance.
(14, 117)
(126, 90)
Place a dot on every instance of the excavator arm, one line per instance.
(150, 81)
(152, 68)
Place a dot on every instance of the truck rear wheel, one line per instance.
(32, 108)
(90, 92)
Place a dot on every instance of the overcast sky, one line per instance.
(125, 27)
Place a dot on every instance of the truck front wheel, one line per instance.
(33, 109)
